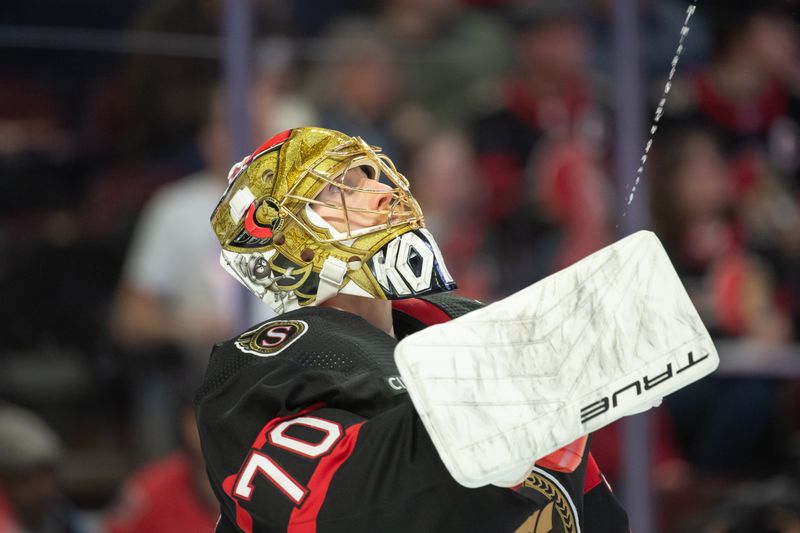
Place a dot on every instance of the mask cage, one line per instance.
(402, 210)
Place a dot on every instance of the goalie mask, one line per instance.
(276, 242)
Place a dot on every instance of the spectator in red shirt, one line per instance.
(720, 422)
(168, 495)
(540, 155)
(748, 99)
(749, 95)
(549, 96)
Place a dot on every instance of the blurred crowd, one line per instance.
(114, 149)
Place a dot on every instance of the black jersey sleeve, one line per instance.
(602, 511)
(327, 469)
(305, 427)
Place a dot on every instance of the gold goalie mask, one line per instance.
(372, 241)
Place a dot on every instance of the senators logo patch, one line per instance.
(557, 513)
(540, 521)
(272, 337)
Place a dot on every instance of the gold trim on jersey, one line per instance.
(559, 504)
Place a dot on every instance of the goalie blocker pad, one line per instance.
(507, 384)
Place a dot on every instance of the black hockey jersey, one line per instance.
(306, 426)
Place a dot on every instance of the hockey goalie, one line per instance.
(379, 401)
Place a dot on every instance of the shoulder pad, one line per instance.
(315, 339)
(413, 314)
(453, 304)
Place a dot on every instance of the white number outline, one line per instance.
(258, 462)
(312, 451)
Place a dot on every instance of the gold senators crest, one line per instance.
(557, 513)
(272, 337)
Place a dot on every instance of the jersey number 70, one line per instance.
(259, 463)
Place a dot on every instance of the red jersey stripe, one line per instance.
(243, 518)
(593, 475)
(304, 518)
(261, 439)
(422, 310)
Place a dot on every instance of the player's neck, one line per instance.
(376, 312)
